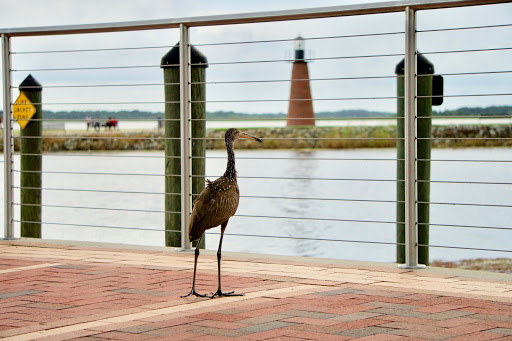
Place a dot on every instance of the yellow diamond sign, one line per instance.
(23, 110)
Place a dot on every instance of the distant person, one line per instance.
(97, 125)
(1, 122)
(108, 123)
(88, 120)
(113, 123)
(160, 122)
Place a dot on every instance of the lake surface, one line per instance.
(296, 181)
(133, 125)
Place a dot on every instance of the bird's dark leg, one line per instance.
(193, 291)
(219, 256)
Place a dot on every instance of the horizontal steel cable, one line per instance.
(293, 158)
(473, 117)
(207, 44)
(463, 28)
(311, 38)
(90, 68)
(461, 204)
(320, 199)
(93, 50)
(210, 233)
(443, 160)
(97, 85)
(233, 82)
(296, 99)
(320, 219)
(305, 59)
(66, 154)
(219, 82)
(95, 208)
(463, 138)
(304, 238)
(463, 248)
(199, 176)
(284, 118)
(92, 173)
(256, 118)
(241, 100)
(309, 138)
(88, 154)
(300, 178)
(241, 120)
(354, 77)
(272, 80)
(93, 190)
(206, 138)
(298, 80)
(195, 194)
(115, 137)
(468, 226)
(466, 73)
(209, 64)
(468, 95)
(465, 182)
(151, 119)
(469, 50)
(99, 226)
(103, 103)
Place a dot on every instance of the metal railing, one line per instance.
(409, 36)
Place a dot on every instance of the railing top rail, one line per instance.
(241, 18)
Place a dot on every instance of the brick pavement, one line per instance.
(58, 292)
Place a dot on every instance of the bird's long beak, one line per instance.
(249, 136)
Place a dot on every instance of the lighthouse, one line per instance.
(300, 108)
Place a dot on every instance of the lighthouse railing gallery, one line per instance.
(409, 9)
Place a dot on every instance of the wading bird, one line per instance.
(215, 205)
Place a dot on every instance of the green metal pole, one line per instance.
(170, 65)
(425, 71)
(31, 148)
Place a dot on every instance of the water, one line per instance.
(319, 178)
(128, 125)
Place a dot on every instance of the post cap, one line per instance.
(30, 84)
(424, 66)
(172, 58)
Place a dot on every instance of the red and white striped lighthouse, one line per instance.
(300, 109)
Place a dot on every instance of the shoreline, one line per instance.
(281, 138)
(501, 265)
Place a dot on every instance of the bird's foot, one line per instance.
(194, 292)
(219, 293)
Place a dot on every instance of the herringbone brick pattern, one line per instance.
(55, 292)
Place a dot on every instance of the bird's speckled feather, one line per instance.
(216, 204)
(219, 200)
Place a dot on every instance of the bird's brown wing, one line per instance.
(211, 209)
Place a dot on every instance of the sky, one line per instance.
(139, 86)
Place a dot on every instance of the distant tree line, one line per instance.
(503, 110)
(137, 114)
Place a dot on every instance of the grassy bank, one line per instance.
(503, 265)
(284, 138)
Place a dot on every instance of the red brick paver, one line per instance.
(58, 292)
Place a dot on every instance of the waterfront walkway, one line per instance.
(53, 291)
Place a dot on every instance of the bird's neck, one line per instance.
(230, 168)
